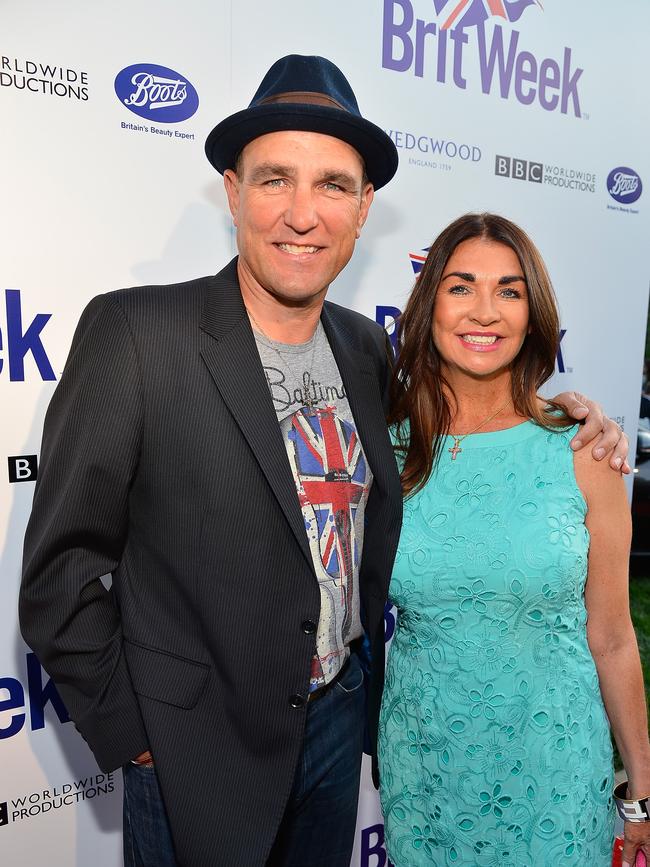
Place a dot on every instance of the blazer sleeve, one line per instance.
(77, 530)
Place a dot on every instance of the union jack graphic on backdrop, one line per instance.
(470, 13)
(417, 259)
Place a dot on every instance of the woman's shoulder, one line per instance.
(596, 479)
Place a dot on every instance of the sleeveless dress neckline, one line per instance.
(485, 439)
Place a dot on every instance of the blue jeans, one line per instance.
(318, 825)
(147, 839)
(320, 818)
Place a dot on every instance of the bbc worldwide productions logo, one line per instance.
(520, 170)
(22, 468)
(57, 797)
(561, 177)
(49, 79)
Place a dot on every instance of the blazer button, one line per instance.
(297, 700)
(308, 627)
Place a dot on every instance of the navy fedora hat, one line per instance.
(309, 94)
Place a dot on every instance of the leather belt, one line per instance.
(323, 690)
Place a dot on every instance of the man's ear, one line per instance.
(367, 195)
(231, 184)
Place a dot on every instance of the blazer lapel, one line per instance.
(360, 379)
(230, 353)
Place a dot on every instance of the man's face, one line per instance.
(298, 202)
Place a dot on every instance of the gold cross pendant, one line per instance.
(454, 451)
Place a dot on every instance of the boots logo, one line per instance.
(440, 50)
(624, 185)
(156, 93)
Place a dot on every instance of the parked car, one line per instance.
(640, 560)
(643, 439)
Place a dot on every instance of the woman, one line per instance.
(494, 737)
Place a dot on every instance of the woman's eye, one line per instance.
(511, 293)
(458, 290)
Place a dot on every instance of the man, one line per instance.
(220, 448)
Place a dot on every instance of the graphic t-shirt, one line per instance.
(332, 480)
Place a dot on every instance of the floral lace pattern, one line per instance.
(494, 745)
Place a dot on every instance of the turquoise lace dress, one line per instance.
(494, 745)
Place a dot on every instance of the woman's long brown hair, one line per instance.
(418, 386)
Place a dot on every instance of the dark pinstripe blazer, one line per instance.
(162, 463)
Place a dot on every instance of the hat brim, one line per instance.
(229, 137)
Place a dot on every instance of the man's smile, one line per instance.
(297, 249)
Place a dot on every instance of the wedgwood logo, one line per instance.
(156, 93)
(437, 153)
(624, 185)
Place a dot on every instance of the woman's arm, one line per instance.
(610, 632)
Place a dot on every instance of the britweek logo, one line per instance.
(435, 50)
(13, 707)
(373, 851)
(156, 93)
(624, 185)
(387, 317)
(18, 342)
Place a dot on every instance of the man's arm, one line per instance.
(607, 436)
(77, 530)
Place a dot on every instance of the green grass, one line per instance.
(640, 608)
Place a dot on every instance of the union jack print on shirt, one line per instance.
(470, 13)
(331, 476)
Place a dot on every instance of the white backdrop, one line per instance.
(96, 197)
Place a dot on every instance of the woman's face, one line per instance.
(480, 314)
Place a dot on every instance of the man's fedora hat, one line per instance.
(310, 94)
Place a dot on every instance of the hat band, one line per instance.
(305, 97)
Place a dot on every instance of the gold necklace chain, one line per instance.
(455, 449)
